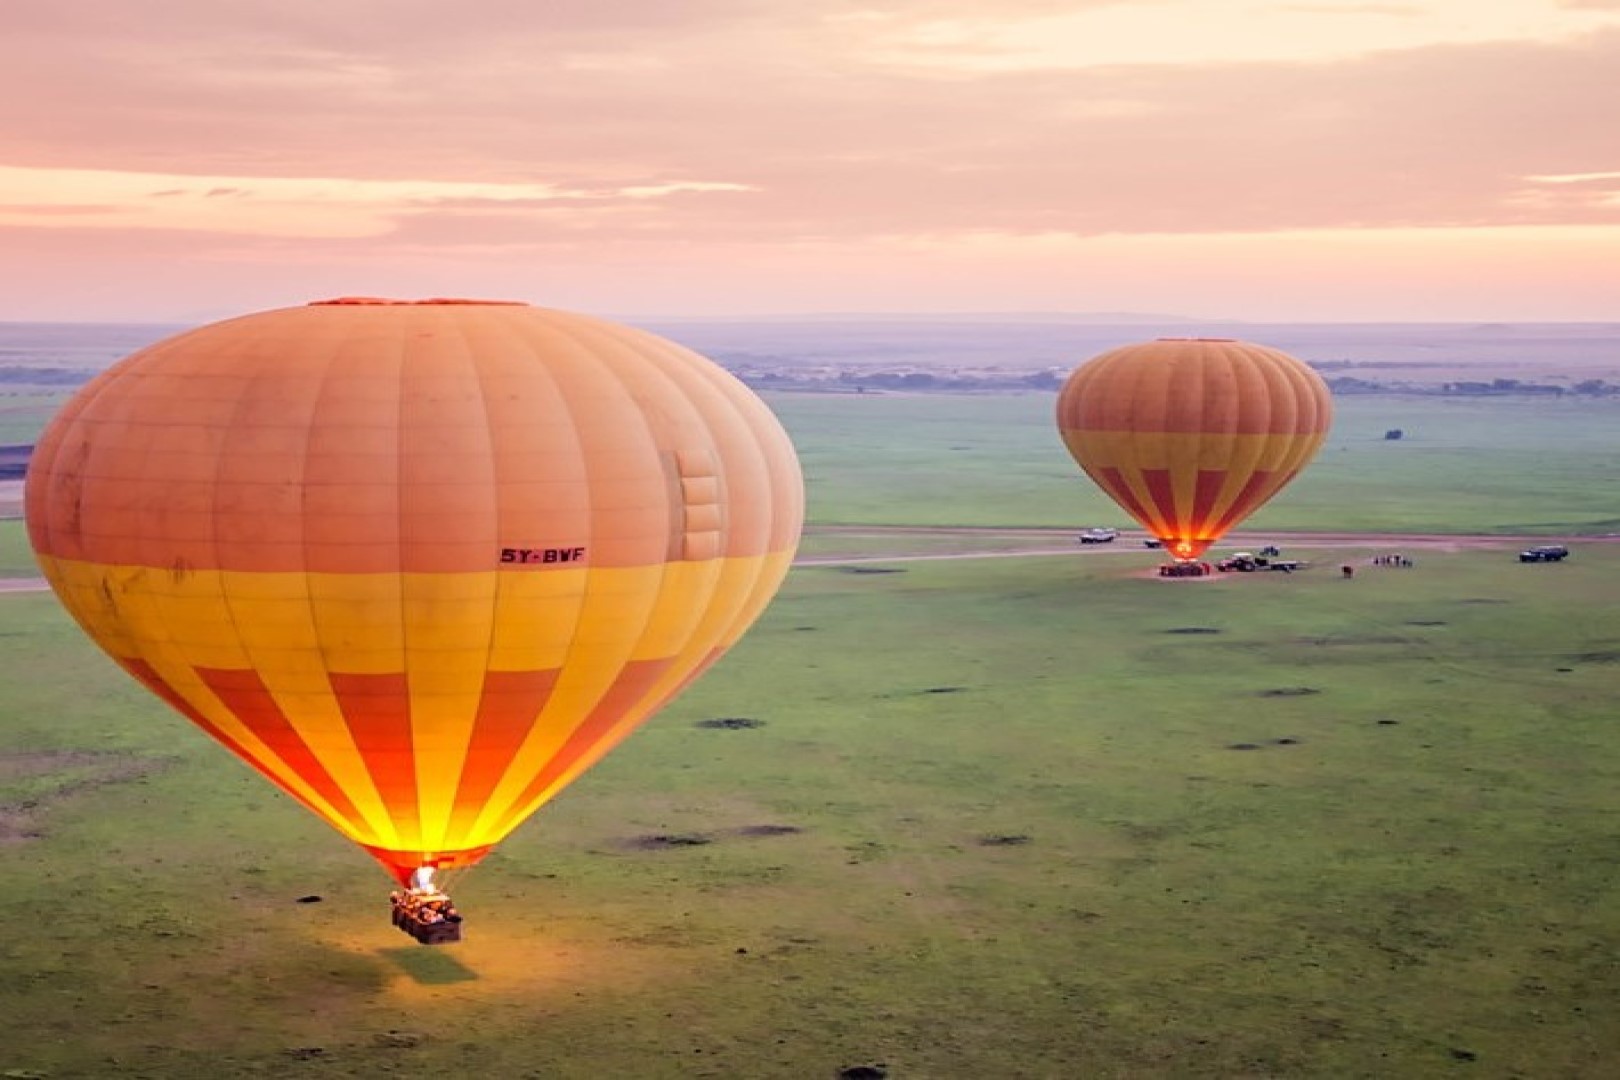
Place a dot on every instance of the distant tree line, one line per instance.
(782, 373)
(914, 381)
(46, 376)
(857, 381)
(1345, 384)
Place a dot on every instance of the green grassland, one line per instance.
(1463, 465)
(1008, 817)
(25, 411)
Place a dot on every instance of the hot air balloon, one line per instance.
(1191, 435)
(419, 563)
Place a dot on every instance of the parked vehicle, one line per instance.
(1545, 553)
(1244, 563)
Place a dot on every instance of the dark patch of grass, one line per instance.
(730, 723)
(665, 841)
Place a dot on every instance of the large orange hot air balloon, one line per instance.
(419, 563)
(1191, 435)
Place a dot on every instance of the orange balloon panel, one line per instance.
(1191, 435)
(420, 564)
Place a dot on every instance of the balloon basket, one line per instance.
(431, 918)
(1185, 569)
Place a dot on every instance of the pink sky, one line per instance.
(184, 160)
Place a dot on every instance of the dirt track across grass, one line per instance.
(977, 542)
(945, 542)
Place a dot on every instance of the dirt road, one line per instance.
(989, 542)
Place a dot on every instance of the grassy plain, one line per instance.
(1511, 465)
(1009, 817)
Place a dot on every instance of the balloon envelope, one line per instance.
(1191, 435)
(420, 564)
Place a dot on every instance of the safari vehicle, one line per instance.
(1544, 553)
(1099, 536)
(1245, 563)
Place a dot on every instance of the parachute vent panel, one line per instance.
(700, 505)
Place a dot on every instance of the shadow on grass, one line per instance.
(429, 966)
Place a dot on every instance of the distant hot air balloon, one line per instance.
(421, 564)
(1191, 435)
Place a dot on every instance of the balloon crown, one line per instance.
(376, 301)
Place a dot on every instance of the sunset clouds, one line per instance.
(1263, 160)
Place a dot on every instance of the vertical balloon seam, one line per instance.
(1148, 393)
(373, 811)
(588, 338)
(690, 373)
(98, 388)
(1196, 397)
(383, 824)
(524, 342)
(1267, 383)
(492, 330)
(720, 412)
(275, 764)
(1252, 370)
(1231, 418)
(367, 338)
(461, 331)
(637, 358)
(633, 359)
(1297, 385)
(550, 339)
(574, 337)
(274, 760)
(724, 412)
(397, 331)
(347, 688)
(510, 328)
(1315, 414)
(763, 428)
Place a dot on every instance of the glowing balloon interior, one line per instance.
(420, 564)
(1192, 435)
